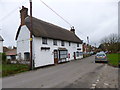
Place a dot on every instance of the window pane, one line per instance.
(54, 42)
(63, 54)
(69, 44)
(26, 55)
(44, 40)
(77, 54)
(62, 43)
(77, 44)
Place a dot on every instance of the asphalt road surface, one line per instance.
(82, 73)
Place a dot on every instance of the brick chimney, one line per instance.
(23, 14)
(72, 30)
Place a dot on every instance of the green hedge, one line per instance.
(3, 58)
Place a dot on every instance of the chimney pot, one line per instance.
(72, 29)
(23, 14)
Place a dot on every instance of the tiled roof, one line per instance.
(11, 52)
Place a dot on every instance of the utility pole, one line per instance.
(88, 40)
(31, 60)
(95, 45)
(88, 44)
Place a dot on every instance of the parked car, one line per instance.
(101, 57)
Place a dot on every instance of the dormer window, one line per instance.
(69, 43)
(77, 44)
(62, 43)
(44, 40)
(54, 42)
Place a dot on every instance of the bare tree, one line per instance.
(111, 43)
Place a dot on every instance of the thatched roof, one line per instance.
(48, 30)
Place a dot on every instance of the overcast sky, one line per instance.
(93, 18)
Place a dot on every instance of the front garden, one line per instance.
(11, 69)
(7, 69)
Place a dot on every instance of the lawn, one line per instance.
(10, 69)
(113, 59)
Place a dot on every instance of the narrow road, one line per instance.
(82, 73)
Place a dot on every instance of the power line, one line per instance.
(7, 15)
(82, 33)
(61, 17)
(56, 13)
(10, 13)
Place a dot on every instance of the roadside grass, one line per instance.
(0, 67)
(113, 59)
(11, 69)
(0, 70)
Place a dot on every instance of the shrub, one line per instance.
(3, 57)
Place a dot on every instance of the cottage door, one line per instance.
(74, 54)
(55, 57)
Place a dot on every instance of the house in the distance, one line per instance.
(11, 54)
(1, 44)
(51, 44)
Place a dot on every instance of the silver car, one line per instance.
(101, 57)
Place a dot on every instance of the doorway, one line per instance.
(55, 57)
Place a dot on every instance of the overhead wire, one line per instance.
(9, 13)
(62, 18)
(82, 33)
(56, 13)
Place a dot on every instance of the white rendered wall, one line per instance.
(42, 57)
(1, 46)
(8, 57)
(23, 41)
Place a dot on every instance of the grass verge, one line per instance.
(113, 59)
(10, 69)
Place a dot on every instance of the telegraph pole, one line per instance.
(88, 40)
(31, 60)
(95, 45)
(88, 44)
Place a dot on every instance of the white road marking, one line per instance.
(106, 84)
(98, 80)
(93, 85)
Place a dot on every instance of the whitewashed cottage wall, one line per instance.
(1, 46)
(23, 42)
(46, 57)
(42, 57)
